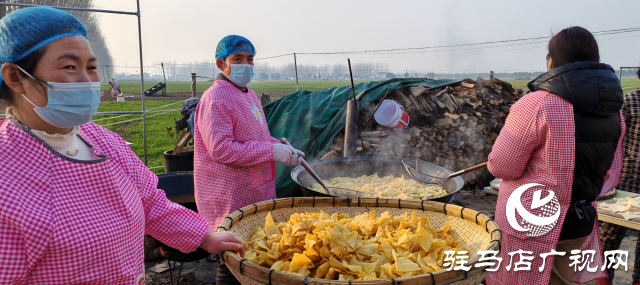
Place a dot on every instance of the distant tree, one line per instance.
(390, 75)
(90, 21)
(264, 76)
(275, 76)
(339, 69)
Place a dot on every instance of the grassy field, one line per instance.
(172, 86)
(159, 139)
(257, 86)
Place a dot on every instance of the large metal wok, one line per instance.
(358, 166)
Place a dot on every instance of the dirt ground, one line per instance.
(198, 272)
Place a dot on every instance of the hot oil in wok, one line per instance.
(385, 187)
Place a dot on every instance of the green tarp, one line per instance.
(310, 120)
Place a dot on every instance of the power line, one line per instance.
(606, 32)
(288, 54)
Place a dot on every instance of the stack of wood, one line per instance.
(182, 146)
(454, 127)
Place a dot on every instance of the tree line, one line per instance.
(90, 20)
(266, 71)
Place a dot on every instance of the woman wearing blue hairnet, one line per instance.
(70, 188)
(234, 151)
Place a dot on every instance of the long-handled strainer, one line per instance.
(331, 191)
(308, 168)
(431, 174)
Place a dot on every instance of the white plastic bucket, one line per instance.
(120, 98)
(391, 114)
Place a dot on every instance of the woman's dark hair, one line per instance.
(29, 64)
(638, 73)
(573, 44)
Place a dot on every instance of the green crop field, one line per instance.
(629, 83)
(172, 86)
(257, 86)
(158, 138)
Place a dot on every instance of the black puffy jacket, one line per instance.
(596, 95)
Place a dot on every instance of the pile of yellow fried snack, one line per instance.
(337, 246)
(389, 187)
(628, 208)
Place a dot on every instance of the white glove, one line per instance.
(296, 158)
(299, 153)
(287, 155)
(282, 153)
(293, 161)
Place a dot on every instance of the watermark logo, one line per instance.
(534, 224)
(139, 279)
(522, 260)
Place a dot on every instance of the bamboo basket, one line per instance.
(475, 232)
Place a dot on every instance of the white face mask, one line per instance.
(241, 74)
(69, 104)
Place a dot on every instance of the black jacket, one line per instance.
(596, 95)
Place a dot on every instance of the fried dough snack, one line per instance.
(338, 247)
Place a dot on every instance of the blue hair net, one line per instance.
(27, 30)
(233, 44)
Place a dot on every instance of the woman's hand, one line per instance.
(296, 158)
(282, 153)
(219, 242)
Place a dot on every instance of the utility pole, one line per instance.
(295, 63)
(163, 75)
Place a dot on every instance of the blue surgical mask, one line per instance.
(241, 74)
(69, 104)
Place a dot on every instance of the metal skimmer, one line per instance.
(431, 174)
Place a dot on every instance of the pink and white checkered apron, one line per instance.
(64, 221)
(233, 164)
(537, 145)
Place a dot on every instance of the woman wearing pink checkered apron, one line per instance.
(563, 141)
(235, 155)
(69, 188)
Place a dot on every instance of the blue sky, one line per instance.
(188, 30)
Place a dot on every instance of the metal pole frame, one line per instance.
(626, 67)
(193, 85)
(295, 63)
(137, 13)
(164, 90)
